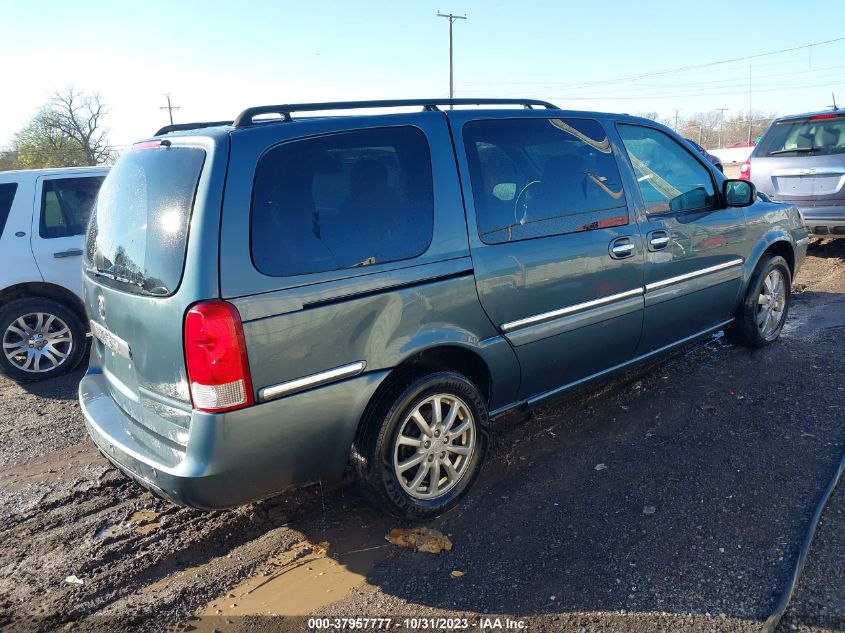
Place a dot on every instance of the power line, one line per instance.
(713, 92)
(726, 82)
(708, 64)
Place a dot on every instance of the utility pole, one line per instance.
(451, 17)
(676, 119)
(699, 132)
(721, 122)
(750, 115)
(169, 108)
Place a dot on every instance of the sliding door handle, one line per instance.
(658, 240)
(622, 247)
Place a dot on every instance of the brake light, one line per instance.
(216, 359)
(150, 145)
(745, 170)
(831, 115)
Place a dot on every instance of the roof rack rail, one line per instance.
(178, 127)
(245, 118)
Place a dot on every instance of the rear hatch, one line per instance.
(136, 292)
(802, 160)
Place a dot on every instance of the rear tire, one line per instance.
(415, 462)
(41, 338)
(760, 318)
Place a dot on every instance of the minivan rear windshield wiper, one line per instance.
(794, 149)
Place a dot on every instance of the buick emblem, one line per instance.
(101, 306)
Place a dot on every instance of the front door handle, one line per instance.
(71, 252)
(622, 247)
(658, 240)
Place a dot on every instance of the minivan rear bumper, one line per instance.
(239, 456)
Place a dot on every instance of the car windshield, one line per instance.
(819, 135)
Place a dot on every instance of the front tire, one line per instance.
(422, 444)
(760, 318)
(41, 338)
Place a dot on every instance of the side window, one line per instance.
(7, 196)
(538, 177)
(66, 205)
(342, 201)
(669, 177)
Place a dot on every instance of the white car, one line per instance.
(43, 218)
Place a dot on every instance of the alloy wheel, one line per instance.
(37, 342)
(434, 447)
(771, 304)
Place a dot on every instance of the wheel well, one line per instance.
(450, 358)
(784, 249)
(445, 358)
(48, 291)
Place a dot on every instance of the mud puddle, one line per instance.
(61, 466)
(320, 569)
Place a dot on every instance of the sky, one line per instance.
(217, 58)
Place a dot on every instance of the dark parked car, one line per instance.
(276, 300)
(801, 160)
(711, 158)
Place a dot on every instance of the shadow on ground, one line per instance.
(687, 491)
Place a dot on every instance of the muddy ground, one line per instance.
(673, 499)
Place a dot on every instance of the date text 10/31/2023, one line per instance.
(417, 624)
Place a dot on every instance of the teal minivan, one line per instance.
(282, 297)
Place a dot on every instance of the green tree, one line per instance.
(67, 132)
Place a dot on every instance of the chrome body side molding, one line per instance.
(721, 272)
(309, 382)
(692, 275)
(578, 307)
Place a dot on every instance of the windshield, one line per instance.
(139, 227)
(814, 136)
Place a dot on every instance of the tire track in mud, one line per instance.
(130, 549)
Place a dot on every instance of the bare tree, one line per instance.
(704, 127)
(79, 117)
(652, 116)
(67, 132)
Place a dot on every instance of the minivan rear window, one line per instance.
(343, 200)
(139, 227)
(814, 136)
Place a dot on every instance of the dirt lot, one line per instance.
(674, 499)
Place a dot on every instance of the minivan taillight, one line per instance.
(215, 356)
(745, 170)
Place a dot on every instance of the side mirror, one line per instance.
(738, 193)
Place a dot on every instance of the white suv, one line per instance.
(43, 218)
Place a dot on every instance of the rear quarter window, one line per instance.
(341, 201)
(7, 197)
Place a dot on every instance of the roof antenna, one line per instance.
(833, 96)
